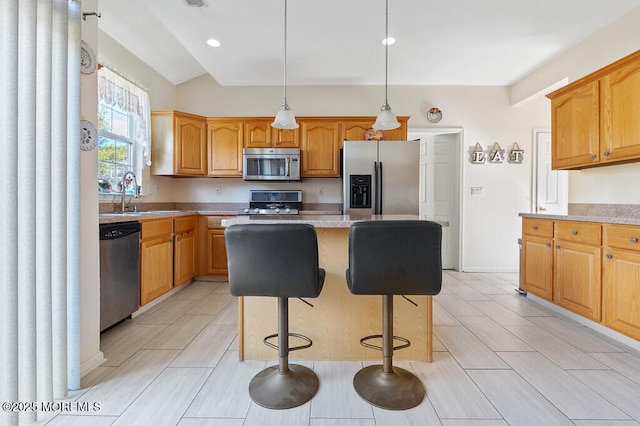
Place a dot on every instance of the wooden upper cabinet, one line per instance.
(355, 129)
(178, 144)
(285, 138)
(225, 141)
(320, 148)
(594, 120)
(257, 134)
(620, 114)
(575, 127)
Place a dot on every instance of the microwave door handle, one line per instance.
(286, 168)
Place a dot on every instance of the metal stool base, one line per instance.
(272, 389)
(399, 390)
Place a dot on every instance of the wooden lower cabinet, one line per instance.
(621, 279)
(212, 254)
(156, 259)
(217, 264)
(537, 266)
(184, 259)
(590, 268)
(577, 275)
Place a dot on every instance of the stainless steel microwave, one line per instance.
(271, 164)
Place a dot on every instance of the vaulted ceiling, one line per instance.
(338, 42)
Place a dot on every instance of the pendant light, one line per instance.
(386, 119)
(285, 118)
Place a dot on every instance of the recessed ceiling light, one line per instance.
(389, 41)
(196, 3)
(213, 42)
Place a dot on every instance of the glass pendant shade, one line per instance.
(285, 118)
(386, 119)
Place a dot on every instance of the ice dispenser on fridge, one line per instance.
(360, 191)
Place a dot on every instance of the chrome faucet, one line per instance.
(126, 179)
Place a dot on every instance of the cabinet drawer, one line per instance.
(154, 228)
(539, 227)
(214, 221)
(622, 236)
(184, 224)
(583, 232)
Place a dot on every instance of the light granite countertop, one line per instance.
(578, 218)
(319, 221)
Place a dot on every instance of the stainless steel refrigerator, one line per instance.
(381, 177)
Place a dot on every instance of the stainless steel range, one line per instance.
(273, 203)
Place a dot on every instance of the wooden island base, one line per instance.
(338, 320)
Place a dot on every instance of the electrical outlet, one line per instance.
(477, 191)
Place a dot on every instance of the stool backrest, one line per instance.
(395, 257)
(278, 260)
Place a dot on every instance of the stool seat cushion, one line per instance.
(277, 260)
(395, 257)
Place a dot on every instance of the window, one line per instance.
(123, 131)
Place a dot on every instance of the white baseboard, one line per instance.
(612, 334)
(490, 270)
(91, 364)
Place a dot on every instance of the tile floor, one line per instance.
(499, 359)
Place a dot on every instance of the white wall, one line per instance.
(611, 184)
(90, 354)
(490, 223)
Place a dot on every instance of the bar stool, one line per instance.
(387, 258)
(277, 260)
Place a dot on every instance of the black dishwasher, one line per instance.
(119, 272)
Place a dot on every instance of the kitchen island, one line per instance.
(338, 320)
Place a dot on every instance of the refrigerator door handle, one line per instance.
(374, 190)
(380, 185)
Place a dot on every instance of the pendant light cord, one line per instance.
(285, 53)
(386, 52)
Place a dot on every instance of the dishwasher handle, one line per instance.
(113, 231)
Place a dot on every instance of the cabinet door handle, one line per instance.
(634, 240)
(534, 227)
(593, 156)
(574, 232)
(548, 244)
(557, 246)
(609, 256)
(606, 153)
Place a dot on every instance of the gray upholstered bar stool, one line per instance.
(277, 260)
(388, 258)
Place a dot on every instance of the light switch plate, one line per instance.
(477, 191)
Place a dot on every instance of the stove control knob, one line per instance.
(256, 210)
(246, 210)
(287, 210)
(277, 210)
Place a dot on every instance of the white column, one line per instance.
(43, 202)
(59, 197)
(73, 200)
(9, 214)
(27, 390)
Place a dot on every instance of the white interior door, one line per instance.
(551, 187)
(439, 187)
